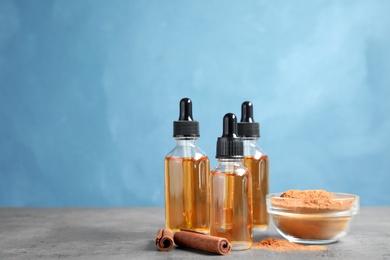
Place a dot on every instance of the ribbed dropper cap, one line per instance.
(185, 126)
(248, 127)
(229, 145)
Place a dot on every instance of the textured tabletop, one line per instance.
(129, 233)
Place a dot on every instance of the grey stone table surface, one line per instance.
(129, 233)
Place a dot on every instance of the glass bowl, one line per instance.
(312, 221)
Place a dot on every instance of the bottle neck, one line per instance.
(249, 140)
(250, 144)
(230, 161)
(184, 141)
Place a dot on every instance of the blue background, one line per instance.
(89, 91)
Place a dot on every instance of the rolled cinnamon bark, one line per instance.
(196, 240)
(164, 239)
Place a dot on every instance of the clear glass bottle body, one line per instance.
(257, 163)
(187, 174)
(231, 203)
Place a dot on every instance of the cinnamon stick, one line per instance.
(164, 239)
(203, 242)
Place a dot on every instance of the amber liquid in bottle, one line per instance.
(259, 169)
(231, 206)
(186, 193)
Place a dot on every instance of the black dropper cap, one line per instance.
(229, 145)
(248, 127)
(185, 126)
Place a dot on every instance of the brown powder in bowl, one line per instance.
(284, 245)
(309, 214)
(308, 194)
(311, 199)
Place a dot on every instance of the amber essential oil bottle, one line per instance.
(256, 160)
(187, 174)
(231, 190)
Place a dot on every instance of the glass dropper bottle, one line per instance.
(187, 173)
(231, 190)
(256, 160)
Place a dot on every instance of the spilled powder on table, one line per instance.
(284, 245)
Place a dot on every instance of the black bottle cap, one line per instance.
(185, 126)
(229, 145)
(248, 127)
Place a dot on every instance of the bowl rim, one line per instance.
(340, 196)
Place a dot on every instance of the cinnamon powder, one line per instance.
(309, 218)
(311, 199)
(284, 245)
